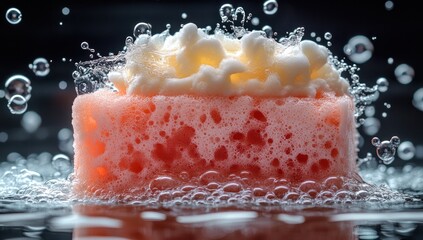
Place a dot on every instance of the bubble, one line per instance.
(2, 93)
(312, 34)
(406, 150)
(31, 121)
(369, 111)
(40, 67)
(390, 60)
(385, 150)
(268, 31)
(226, 11)
(63, 85)
(61, 163)
(389, 5)
(418, 99)
(382, 84)
(371, 126)
(184, 16)
(359, 49)
(65, 11)
(270, 7)
(17, 104)
(85, 45)
(18, 85)
(84, 86)
(255, 21)
(328, 36)
(418, 154)
(3, 137)
(142, 28)
(404, 73)
(65, 137)
(13, 16)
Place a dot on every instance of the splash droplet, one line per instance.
(40, 67)
(359, 49)
(18, 85)
(13, 16)
(142, 28)
(404, 73)
(270, 7)
(17, 104)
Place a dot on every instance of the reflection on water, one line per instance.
(86, 221)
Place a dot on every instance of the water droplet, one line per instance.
(226, 11)
(382, 84)
(13, 16)
(389, 5)
(418, 99)
(385, 150)
(65, 11)
(18, 85)
(328, 36)
(404, 73)
(184, 16)
(268, 31)
(406, 150)
(142, 28)
(31, 121)
(359, 49)
(255, 21)
(40, 67)
(270, 7)
(17, 104)
(61, 163)
(390, 60)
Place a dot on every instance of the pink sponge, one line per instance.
(124, 142)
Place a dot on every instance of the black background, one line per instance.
(105, 25)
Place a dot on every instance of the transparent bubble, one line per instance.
(17, 104)
(270, 7)
(389, 5)
(226, 11)
(13, 16)
(385, 150)
(184, 16)
(404, 73)
(382, 84)
(31, 121)
(371, 126)
(255, 21)
(18, 85)
(65, 11)
(61, 163)
(328, 36)
(406, 150)
(40, 67)
(268, 31)
(359, 49)
(142, 28)
(418, 99)
(85, 45)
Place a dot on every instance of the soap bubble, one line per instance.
(17, 104)
(18, 85)
(270, 7)
(404, 73)
(328, 36)
(385, 150)
(142, 28)
(40, 67)
(406, 150)
(13, 16)
(359, 49)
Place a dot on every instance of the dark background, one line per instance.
(105, 25)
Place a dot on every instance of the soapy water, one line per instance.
(45, 178)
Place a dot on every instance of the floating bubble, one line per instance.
(65, 11)
(390, 60)
(226, 11)
(255, 21)
(270, 7)
(418, 99)
(359, 49)
(31, 121)
(13, 16)
(371, 126)
(61, 163)
(385, 150)
(18, 85)
(406, 150)
(328, 36)
(404, 73)
(184, 16)
(382, 84)
(17, 104)
(389, 5)
(142, 28)
(40, 67)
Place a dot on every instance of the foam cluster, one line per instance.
(197, 63)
